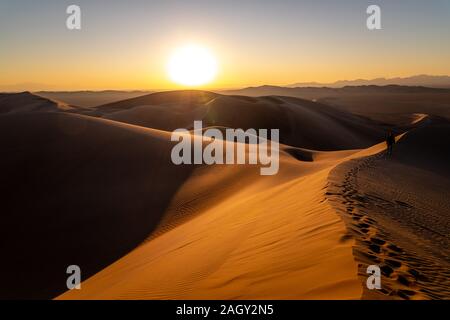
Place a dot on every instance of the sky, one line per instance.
(127, 44)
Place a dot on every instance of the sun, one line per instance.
(192, 66)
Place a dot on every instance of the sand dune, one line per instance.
(269, 238)
(89, 99)
(302, 123)
(391, 104)
(28, 102)
(398, 210)
(273, 253)
(77, 190)
(101, 192)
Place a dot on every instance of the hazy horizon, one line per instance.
(36, 87)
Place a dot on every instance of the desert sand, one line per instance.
(398, 210)
(97, 188)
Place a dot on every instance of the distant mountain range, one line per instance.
(316, 93)
(419, 80)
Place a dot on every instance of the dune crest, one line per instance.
(398, 211)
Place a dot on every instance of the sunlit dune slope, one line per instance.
(271, 237)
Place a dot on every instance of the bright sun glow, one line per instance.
(192, 66)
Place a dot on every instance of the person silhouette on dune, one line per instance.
(390, 141)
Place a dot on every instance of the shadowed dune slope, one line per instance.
(391, 103)
(183, 98)
(88, 99)
(427, 147)
(302, 123)
(27, 102)
(76, 190)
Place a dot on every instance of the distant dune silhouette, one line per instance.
(391, 104)
(419, 80)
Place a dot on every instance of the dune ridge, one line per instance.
(398, 212)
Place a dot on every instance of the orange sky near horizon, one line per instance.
(127, 47)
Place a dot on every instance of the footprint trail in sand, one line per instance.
(400, 230)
